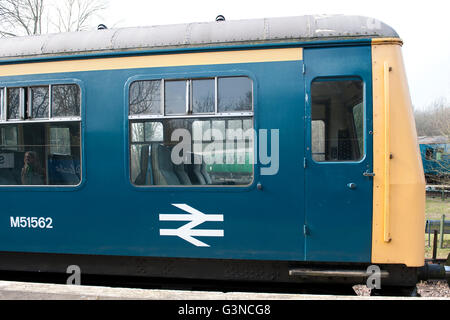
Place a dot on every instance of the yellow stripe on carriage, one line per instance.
(153, 61)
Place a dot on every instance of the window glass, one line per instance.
(146, 131)
(145, 97)
(39, 99)
(13, 105)
(338, 104)
(358, 119)
(44, 154)
(9, 138)
(203, 156)
(2, 100)
(318, 140)
(175, 97)
(203, 96)
(235, 94)
(65, 100)
(60, 140)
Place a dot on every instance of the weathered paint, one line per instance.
(405, 179)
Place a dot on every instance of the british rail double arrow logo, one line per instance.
(187, 231)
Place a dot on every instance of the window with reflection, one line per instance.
(38, 147)
(13, 103)
(175, 97)
(190, 143)
(235, 94)
(39, 102)
(337, 120)
(65, 100)
(145, 97)
(203, 93)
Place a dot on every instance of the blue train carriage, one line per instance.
(257, 150)
(435, 152)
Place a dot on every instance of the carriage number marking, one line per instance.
(31, 222)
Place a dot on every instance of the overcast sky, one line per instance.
(423, 26)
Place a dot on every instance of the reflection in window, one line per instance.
(146, 131)
(40, 158)
(219, 152)
(203, 96)
(175, 97)
(13, 105)
(235, 94)
(145, 97)
(39, 100)
(60, 140)
(9, 137)
(65, 100)
(318, 140)
(338, 104)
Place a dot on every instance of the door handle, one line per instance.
(368, 174)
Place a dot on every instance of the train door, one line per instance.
(338, 154)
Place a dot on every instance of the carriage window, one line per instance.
(209, 157)
(39, 102)
(235, 94)
(65, 100)
(337, 114)
(44, 152)
(203, 96)
(175, 97)
(14, 103)
(145, 97)
(190, 143)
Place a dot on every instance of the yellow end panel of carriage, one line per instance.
(153, 61)
(399, 183)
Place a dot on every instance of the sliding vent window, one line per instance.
(203, 96)
(337, 115)
(39, 102)
(145, 97)
(235, 94)
(175, 93)
(14, 97)
(65, 101)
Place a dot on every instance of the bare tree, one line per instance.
(21, 17)
(29, 17)
(76, 15)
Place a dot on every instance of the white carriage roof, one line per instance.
(200, 34)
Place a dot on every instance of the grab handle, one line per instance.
(386, 211)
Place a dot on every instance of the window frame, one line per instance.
(364, 110)
(198, 116)
(25, 86)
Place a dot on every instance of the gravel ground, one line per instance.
(432, 288)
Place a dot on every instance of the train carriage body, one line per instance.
(201, 150)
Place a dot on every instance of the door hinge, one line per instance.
(304, 163)
(304, 68)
